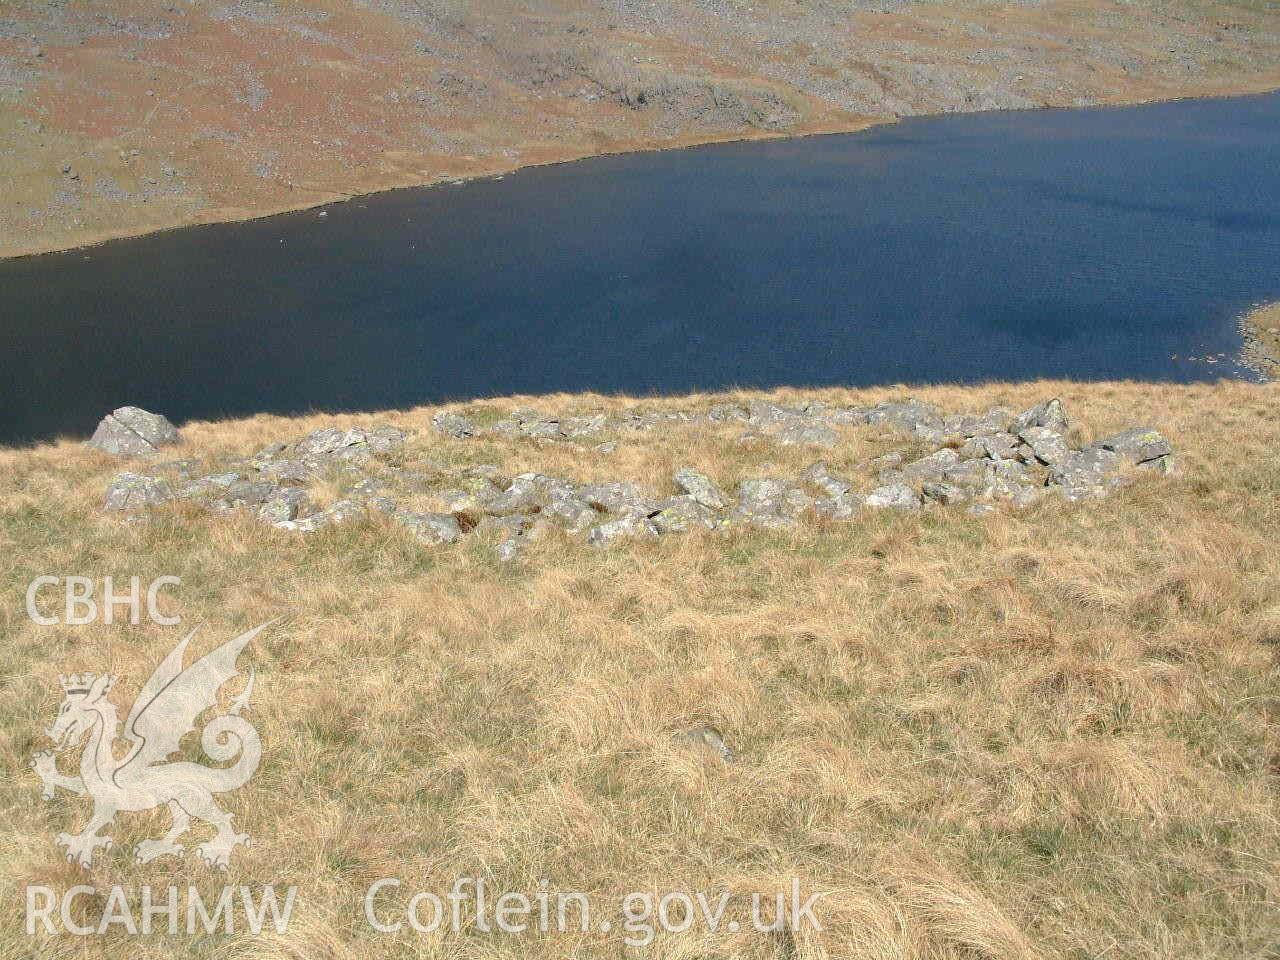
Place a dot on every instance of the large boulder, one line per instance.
(132, 432)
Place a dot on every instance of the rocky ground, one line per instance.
(1261, 330)
(122, 116)
(998, 458)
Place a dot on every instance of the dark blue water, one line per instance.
(1090, 244)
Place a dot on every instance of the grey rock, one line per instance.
(995, 420)
(523, 494)
(800, 432)
(980, 509)
(842, 507)
(993, 446)
(583, 426)
(969, 473)
(384, 439)
(220, 480)
(626, 528)
(132, 431)
(618, 497)
(1138, 444)
(708, 738)
(684, 513)
(433, 528)
(322, 441)
(820, 476)
(577, 516)
(609, 446)
(1085, 468)
(284, 505)
(453, 425)
(132, 492)
(1050, 414)
(932, 467)
(906, 415)
(701, 488)
(248, 493)
(287, 471)
(476, 494)
(945, 493)
(893, 496)
(1047, 445)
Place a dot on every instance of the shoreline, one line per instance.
(1261, 85)
(1260, 328)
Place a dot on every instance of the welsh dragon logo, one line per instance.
(166, 710)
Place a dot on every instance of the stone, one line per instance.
(248, 493)
(804, 431)
(1050, 414)
(286, 471)
(1047, 445)
(708, 738)
(476, 495)
(509, 550)
(1138, 444)
(820, 476)
(583, 426)
(131, 432)
(132, 491)
(522, 494)
(841, 507)
(320, 442)
(684, 513)
(893, 496)
(384, 439)
(701, 488)
(932, 467)
(619, 497)
(577, 516)
(993, 446)
(980, 509)
(453, 425)
(1085, 468)
(626, 528)
(945, 493)
(284, 505)
(967, 425)
(433, 528)
(906, 415)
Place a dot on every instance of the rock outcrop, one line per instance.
(999, 459)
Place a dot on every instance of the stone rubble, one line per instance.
(981, 461)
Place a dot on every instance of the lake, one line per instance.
(1091, 244)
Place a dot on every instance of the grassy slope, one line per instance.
(1043, 734)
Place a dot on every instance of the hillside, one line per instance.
(1038, 732)
(121, 117)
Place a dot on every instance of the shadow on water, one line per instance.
(1092, 244)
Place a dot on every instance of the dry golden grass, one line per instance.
(1048, 734)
